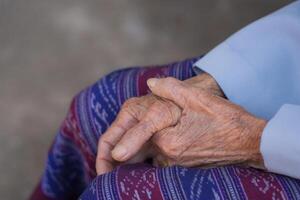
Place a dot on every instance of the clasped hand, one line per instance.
(186, 123)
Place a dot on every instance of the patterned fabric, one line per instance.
(70, 168)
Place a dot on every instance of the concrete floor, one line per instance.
(51, 49)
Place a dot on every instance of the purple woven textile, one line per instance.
(70, 168)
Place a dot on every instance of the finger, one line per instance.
(132, 141)
(107, 163)
(104, 161)
(169, 88)
(183, 95)
(145, 152)
(131, 112)
(160, 115)
(123, 122)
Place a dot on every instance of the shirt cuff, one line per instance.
(280, 142)
(234, 75)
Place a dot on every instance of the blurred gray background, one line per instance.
(50, 49)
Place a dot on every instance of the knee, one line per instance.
(102, 187)
(125, 182)
(93, 109)
(104, 100)
(96, 106)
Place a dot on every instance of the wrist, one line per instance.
(206, 82)
(256, 159)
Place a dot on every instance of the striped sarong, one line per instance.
(70, 167)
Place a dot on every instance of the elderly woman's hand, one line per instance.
(150, 109)
(143, 116)
(210, 131)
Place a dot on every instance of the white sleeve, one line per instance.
(258, 68)
(280, 143)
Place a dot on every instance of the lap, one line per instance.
(71, 161)
(141, 181)
(70, 164)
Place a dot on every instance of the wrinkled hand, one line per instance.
(140, 118)
(210, 130)
(137, 115)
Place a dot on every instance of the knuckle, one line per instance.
(159, 108)
(129, 107)
(104, 140)
(101, 156)
(101, 142)
(169, 111)
(130, 102)
(149, 126)
(101, 139)
(161, 115)
(163, 105)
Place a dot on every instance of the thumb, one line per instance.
(169, 88)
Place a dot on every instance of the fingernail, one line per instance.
(119, 153)
(151, 82)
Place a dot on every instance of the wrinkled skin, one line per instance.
(146, 108)
(151, 110)
(210, 131)
(185, 123)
